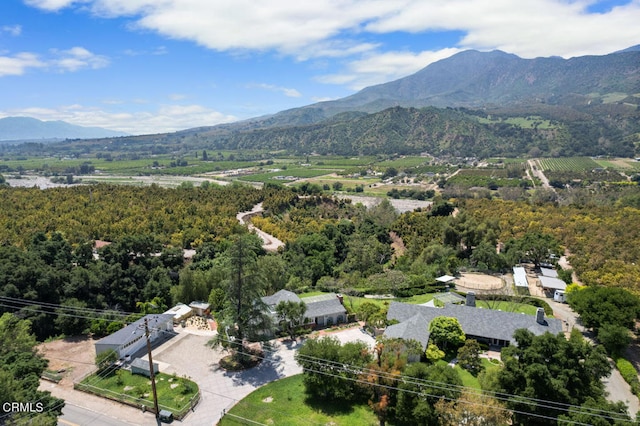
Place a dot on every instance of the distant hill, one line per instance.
(26, 128)
(483, 80)
(471, 104)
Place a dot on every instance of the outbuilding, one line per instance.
(130, 339)
(141, 366)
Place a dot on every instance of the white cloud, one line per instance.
(307, 29)
(53, 5)
(291, 93)
(177, 96)
(353, 29)
(78, 58)
(13, 30)
(380, 68)
(167, 118)
(19, 63)
(528, 28)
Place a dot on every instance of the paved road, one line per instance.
(75, 415)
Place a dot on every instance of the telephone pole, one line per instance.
(152, 373)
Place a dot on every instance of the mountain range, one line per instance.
(31, 129)
(470, 104)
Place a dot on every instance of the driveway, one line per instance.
(187, 354)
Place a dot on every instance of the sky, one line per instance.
(153, 66)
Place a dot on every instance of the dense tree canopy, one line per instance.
(20, 369)
(551, 368)
(599, 306)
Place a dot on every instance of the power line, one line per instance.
(356, 369)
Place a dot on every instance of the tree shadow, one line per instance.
(329, 407)
(269, 370)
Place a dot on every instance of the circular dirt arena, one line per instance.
(472, 281)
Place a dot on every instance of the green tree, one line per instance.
(67, 321)
(331, 370)
(469, 356)
(433, 353)
(551, 368)
(422, 387)
(105, 359)
(598, 306)
(20, 368)
(537, 247)
(244, 317)
(446, 332)
(367, 310)
(598, 412)
(615, 338)
(290, 316)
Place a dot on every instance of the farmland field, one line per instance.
(568, 164)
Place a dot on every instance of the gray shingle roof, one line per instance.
(319, 308)
(135, 329)
(486, 323)
(280, 296)
(416, 328)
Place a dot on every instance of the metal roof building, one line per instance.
(520, 277)
(131, 338)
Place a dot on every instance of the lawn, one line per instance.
(508, 306)
(468, 379)
(174, 393)
(284, 402)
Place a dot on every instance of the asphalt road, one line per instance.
(74, 415)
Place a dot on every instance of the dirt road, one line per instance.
(270, 243)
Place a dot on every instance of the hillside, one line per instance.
(449, 132)
(488, 103)
(26, 128)
(494, 80)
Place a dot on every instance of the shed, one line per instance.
(548, 272)
(445, 279)
(200, 308)
(141, 366)
(549, 283)
(180, 312)
(520, 277)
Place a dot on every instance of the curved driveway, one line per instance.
(187, 354)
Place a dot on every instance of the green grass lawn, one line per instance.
(508, 307)
(468, 379)
(174, 393)
(284, 402)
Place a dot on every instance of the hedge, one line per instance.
(630, 375)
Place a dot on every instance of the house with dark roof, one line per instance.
(484, 325)
(131, 338)
(325, 310)
(322, 311)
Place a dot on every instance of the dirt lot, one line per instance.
(480, 282)
(75, 355)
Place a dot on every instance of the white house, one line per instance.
(131, 338)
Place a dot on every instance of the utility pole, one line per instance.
(152, 373)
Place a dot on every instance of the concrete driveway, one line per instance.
(187, 354)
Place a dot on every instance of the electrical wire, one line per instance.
(420, 382)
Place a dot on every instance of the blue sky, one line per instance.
(151, 66)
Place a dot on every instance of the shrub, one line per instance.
(630, 375)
